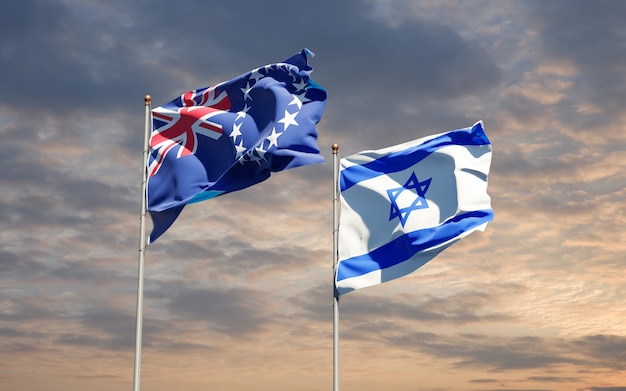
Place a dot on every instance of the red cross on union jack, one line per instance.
(183, 125)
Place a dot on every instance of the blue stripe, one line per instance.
(406, 246)
(205, 195)
(406, 158)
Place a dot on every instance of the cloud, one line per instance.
(517, 353)
(238, 294)
(234, 311)
(590, 38)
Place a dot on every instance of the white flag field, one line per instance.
(401, 206)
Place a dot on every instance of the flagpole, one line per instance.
(335, 148)
(142, 246)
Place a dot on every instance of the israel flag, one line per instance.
(401, 206)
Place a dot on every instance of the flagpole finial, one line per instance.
(335, 148)
(147, 99)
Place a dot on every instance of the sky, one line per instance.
(238, 293)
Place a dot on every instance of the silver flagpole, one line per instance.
(142, 246)
(335, 259)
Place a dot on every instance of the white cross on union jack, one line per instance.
(183, 125)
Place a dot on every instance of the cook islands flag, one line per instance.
(230, 136)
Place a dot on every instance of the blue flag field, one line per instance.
(230, 136)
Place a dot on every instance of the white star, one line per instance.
(296, 101)
(289, 69)
(256, 75)
(246, 92)
(303, 98)
(242, 113)
(253, 157)
(273, 138)
(236, 131)
(261, 152)
(301, 86)
(289, 119)
(240, 149)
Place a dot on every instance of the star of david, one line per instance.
(418, 189)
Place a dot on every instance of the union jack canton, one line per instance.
(230, 136)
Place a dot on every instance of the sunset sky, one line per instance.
(238, 293)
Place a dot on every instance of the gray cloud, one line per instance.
(503, 354)
(235, 312)
(589, 36)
